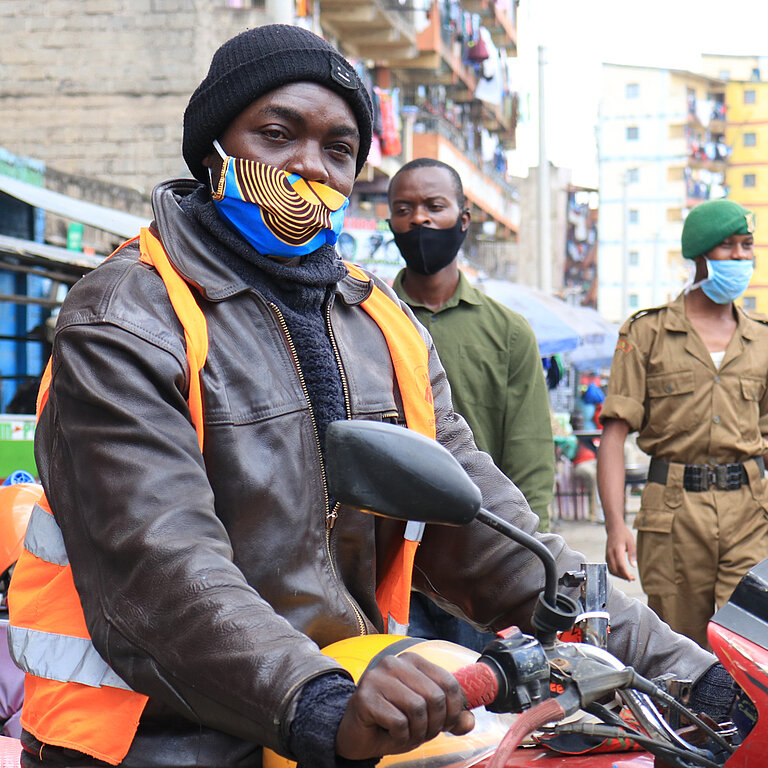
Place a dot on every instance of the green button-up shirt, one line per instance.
(491, 357)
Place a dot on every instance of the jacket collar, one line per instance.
(198, 265)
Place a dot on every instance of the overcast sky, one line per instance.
(579, 35)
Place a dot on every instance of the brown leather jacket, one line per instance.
(210, 581)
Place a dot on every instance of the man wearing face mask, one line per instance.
(187, 563)
(691, 378)
(489, 353)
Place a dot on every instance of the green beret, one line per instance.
(708, 224)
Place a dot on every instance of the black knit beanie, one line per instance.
(256, 62)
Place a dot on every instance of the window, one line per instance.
(634, 258)
(634, 216)
(724, 74)
(749, 180)
(633, 90)
(750, 96)
(674, 214)
(750, 139)
(675, 173)
(676, 131)
(633, 175)
(634, 301)
(633, 133)
(749, 302)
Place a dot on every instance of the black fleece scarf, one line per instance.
(300, 291)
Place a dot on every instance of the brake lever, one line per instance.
(588, 673)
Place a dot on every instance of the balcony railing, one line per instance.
(430, 123)
(382, 30)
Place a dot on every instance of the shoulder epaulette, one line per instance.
(637, 315)
(758, 317)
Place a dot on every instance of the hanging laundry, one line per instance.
(489, 86)
(390, 133)
(374, 154)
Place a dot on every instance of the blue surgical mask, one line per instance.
(727, 279)
(278, 213)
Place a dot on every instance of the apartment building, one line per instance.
(662, 148)
(447, 79)
(746, 175)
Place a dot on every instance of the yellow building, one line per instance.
(746, 174)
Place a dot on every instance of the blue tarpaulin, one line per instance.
(559, 327)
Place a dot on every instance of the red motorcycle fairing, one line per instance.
(738, 634)
(748, 664)
(541, 758)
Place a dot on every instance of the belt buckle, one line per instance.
(727, 477)
(719, 477)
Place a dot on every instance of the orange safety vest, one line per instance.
(72, 698)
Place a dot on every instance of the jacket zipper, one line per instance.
(330, 514)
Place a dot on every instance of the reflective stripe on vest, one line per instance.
(73, 699)
(47, 654)
(62, 658)
(43, 538)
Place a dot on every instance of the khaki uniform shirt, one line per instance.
(665, 386)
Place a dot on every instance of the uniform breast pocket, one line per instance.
(748, 416)
(671, 401)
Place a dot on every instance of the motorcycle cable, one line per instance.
(654, 691)
(654, 746)
(608, 717)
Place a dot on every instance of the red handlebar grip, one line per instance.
(479, 683)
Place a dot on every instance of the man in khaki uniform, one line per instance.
(691, 378)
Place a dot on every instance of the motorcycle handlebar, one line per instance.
(479, 683)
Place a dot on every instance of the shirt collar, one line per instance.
(465, 292)
(676, 319)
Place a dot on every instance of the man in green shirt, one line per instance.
(490, 353)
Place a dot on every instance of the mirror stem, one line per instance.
(529, 542)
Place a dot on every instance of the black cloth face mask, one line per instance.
(427, 250)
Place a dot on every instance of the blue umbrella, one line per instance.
(559, 327)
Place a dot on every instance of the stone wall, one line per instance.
(98, 88)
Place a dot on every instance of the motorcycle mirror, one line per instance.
(398, 473)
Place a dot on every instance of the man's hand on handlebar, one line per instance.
(620, 551)
(402, 702)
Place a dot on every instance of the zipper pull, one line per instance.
(331, 517)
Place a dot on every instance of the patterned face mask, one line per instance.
(278, 213)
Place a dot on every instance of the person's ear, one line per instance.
(702, 273)
(213, 162)
(466, 217)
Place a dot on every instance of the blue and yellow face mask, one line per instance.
(278, 213)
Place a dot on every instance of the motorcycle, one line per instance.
(541, 685)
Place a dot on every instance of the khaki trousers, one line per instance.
(694, 547)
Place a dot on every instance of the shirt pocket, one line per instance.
(671, 401)
(748, 415)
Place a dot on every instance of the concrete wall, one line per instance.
(527, 255)
(98, 87)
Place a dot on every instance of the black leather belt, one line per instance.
(702, 477)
